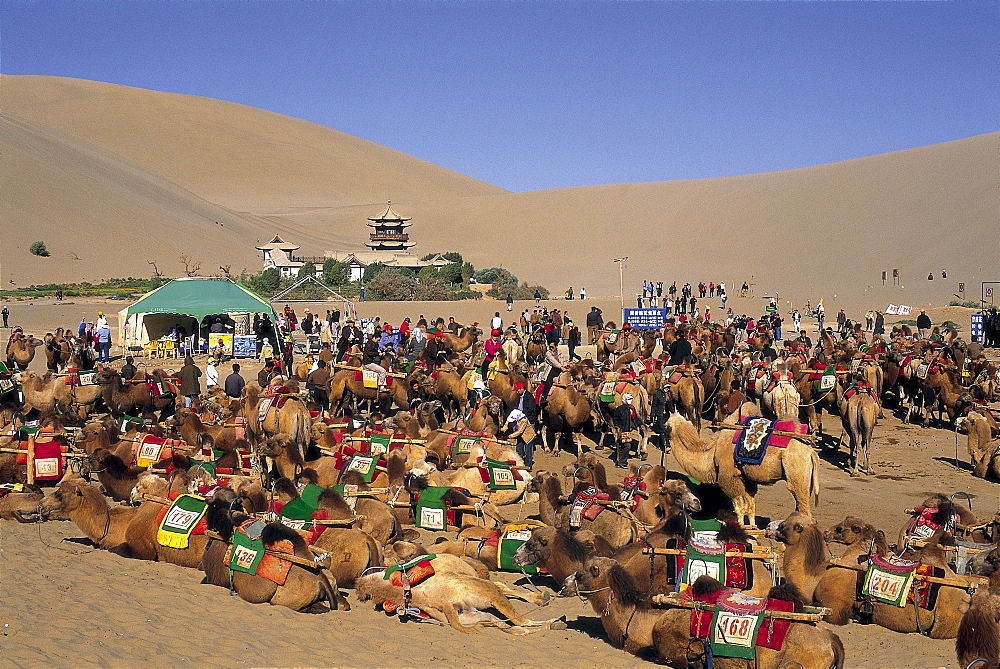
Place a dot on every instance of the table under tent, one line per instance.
(193, 315)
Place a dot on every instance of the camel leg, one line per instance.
(451, 617)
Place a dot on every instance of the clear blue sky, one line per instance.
(533, 95)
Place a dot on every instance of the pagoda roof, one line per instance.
(277, 243)
(389, 215)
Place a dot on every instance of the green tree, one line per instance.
(308, 269)
(428, 274)
(336, 273)
(373, 271)
(451, 273)
(391, 283)
(268, 281)
(38, 249)
(453, 256)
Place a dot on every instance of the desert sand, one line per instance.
(95, 609)
(112, 177)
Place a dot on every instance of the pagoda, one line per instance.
(389, 234)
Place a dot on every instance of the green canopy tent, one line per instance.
(186, 301)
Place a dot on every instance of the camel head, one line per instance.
(401, 551)
(494, 405)
(787, 531)
(148, 484)
(537, 549)
(678, 495)
(600, 573)
(68, 496)
(986, 563)
(849, 531)
(277, 445)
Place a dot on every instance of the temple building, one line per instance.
(278, 254)
(389, 244)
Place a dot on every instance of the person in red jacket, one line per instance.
(493, 346)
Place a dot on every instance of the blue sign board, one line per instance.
(244, 346)
(646, 319)
(977, 326)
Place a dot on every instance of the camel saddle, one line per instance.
(247, 553)
(706, 555)
(757, 434)
(738, 625)
(892, 582)
(411, 573)
(278, 395)
(182, 519)
(582, 506)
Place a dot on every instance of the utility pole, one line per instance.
(621, 281)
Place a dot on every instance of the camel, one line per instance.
(445, 597)
(633, 625)
(291, 419)
(811, 398)
(45, 394)
(344, 384)
(448, 386)
(806, 559)
(104, 525)
(117, 478)
(96, 435)
(859, 414)
(123, 397)
(568, 410)
(353, 551)
(782, 399)
(642, 406)
(617, 526)
(286, 460)
(21, 351)
(486, 514)
(978, 635)
(985, 456)
(449, 558)
(688, 395)
(488, 416)
(58, 350)
(535, 347)
(713, 461)
(22, 505)
(561, 553)
(306, 583)
(449, 342)
(838, 589)
(468, 477)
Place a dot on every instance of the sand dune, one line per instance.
(96, 162)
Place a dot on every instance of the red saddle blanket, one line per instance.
(772, 631)
(49, 462)
(584, 506)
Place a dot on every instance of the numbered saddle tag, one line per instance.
(503, 476)
(518, 535)
(827, 382)
(88, 378)
(696, 568)
(295, 524)
(923, 531)
(887, 587)
(361, 464)
(46, 467)
(706, 535)
(576, 513)
(736, 630)
(433, 519)
(180, 519)
(149, 453)
(377, 448)
(244, 557)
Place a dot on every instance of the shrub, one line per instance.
(308, 269)
(373, 271)
(452, 273)
(391, 283)
(972, 304)
(38, 249)
(336, 273)
(428, 274)
(495, 275)
(500, 291)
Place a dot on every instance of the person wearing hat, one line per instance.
(524, 402)
(627, 423)
(492, 347)
(518, 428)
(477, 394)
(211, 375)
(317, 384)
(102, 320)
(387, 340)
(350, 336)
(557, 365)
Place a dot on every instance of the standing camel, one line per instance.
(21, 351)
(714, 461)
(858, 413)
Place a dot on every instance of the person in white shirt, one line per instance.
(211, 374)
(496, 323)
